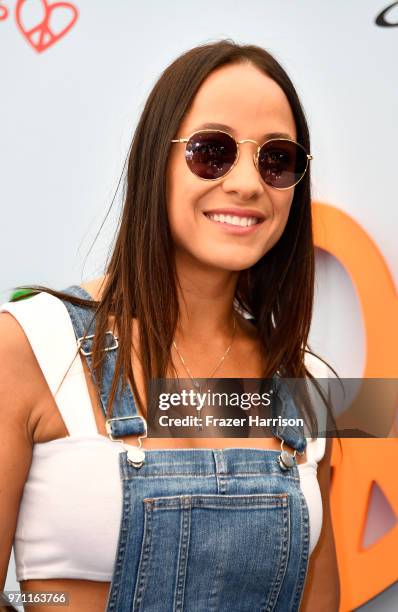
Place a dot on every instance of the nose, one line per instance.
(244, 178)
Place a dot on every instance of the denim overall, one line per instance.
(203, 530)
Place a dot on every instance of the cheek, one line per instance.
(184, 196)
(283, 214)
(175, 188)
(184, 192)
(281, 205)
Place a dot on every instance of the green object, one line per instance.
(21, 293)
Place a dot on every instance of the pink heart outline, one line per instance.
(43, 26)
(3, 12)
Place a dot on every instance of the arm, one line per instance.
(17, 395)
(322, 587)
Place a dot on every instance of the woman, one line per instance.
(201, 524)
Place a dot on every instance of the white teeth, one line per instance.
(233, 220)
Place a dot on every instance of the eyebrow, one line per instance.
(228, 128)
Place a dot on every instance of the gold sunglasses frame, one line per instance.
(255, 155)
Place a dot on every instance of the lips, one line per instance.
(227, 219)
(231, 228)
(237, 212)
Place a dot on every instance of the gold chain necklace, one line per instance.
(195, 382)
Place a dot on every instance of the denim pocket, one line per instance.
(213, 552)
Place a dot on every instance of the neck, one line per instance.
(206, 306)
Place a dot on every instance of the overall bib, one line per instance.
(202, 530)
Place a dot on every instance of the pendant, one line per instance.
(135, 456)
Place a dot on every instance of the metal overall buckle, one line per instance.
(135, 454)
(286, 460)
(80, 341)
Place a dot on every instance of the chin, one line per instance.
(231, 264)
(238, 260)
(209, 254)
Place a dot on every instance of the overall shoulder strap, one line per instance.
(284, 406)
(125, 420)
(46, 324)
(317, 447)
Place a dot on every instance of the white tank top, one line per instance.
(71, 506)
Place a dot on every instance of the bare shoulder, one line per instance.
(94, 286)
(21, 382)
(16, 355)
(17, 398)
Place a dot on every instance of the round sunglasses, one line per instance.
(212, 154)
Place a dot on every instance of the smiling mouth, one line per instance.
(233, 220)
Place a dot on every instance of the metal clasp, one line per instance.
(107, 348)
(286, 460)
(135, 454)
(109, 430)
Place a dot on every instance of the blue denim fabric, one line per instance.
(205, 530)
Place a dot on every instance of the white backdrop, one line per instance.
(68, 114)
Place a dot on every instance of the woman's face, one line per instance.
(252, 105)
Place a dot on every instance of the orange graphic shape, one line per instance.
(364, 572)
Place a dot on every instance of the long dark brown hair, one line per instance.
(141, 280)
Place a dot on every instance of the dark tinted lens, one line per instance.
(210, 154)
(282, 163)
